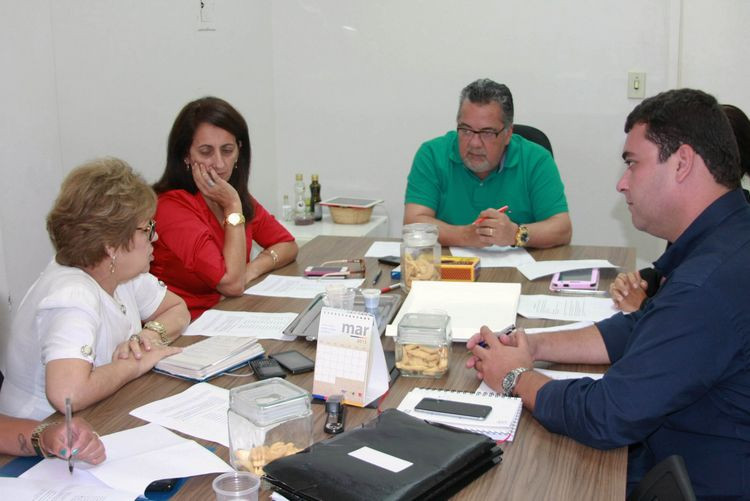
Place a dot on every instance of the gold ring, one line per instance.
(135, 337)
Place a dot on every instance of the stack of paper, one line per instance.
(210, 357)
(469, 305)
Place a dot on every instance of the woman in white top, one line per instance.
(79, 331)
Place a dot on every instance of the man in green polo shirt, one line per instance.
(460, 180)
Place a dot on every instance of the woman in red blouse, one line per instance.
(206, 217)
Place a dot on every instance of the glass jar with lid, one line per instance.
(423, 345)
(267, 420)
(420, 254)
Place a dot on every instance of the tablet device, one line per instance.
(586, 279)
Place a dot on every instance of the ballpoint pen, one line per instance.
(69, 432)
(390, 288)
(500, 210)
(377, 276)
(503, 332)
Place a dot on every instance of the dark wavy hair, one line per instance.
(219, 113)
(741, 127)
(695, 118)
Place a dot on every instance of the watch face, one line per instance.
(235, 218)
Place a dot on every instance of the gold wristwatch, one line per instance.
(159, 328)
(36, 439)
(234, 219)
(522, 236)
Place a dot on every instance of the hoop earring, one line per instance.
(112, 265)
(187, 165)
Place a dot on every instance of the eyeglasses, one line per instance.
(484, 134)
(149, 229)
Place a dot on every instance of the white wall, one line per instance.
(347, 89)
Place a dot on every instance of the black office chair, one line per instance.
(667, 481)
(533, 134)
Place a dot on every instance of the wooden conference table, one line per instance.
(537, 465)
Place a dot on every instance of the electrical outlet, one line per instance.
(636, 85)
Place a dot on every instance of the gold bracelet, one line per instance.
(36, 439)
(159, 328)
(274, 255)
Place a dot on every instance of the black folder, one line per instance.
(444, 460)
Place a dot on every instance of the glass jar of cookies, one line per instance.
(420, 254)
(423, 345)
(267, 420)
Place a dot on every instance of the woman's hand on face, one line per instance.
(214, 188)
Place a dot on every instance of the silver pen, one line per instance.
(69, 432)
(503, 332)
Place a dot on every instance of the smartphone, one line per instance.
(391, 260)
(586, 279)
(328, 271)
(265, 368)
(294, 361)
(453, 408)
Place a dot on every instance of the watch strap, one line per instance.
(159, 328)
(36, 439)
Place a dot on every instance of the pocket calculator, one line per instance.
(265, 368)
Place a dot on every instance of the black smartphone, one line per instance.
(453, 408)
(265, 368)
(392, 260)
(294, 361)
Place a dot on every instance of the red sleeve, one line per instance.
(190, 235)
(266, 230)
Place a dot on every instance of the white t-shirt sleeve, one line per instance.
(68, 320)
(149, 293)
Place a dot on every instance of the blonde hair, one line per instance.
(100, 204)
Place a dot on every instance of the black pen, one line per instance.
(377, 276)
(503, 332)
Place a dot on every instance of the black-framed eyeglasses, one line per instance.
(149, 229)
(484, 134)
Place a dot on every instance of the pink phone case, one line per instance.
(589, 282)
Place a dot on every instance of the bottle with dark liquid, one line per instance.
(315, 207)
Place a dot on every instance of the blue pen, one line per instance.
(503, 332)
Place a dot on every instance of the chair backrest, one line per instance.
(667, 481)
(533, 134)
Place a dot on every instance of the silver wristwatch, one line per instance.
(511, 378)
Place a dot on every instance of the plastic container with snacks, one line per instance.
(267, 420)
(423, 345)
(420, 254)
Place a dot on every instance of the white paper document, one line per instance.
(542, 268)
(306, 288)
(496, 256)
(135, 458)
(469, 305)
(568, 374)
(242, 324)
(23, 489)
(566, 308)
(565, 327)
(382, 249)
(200, 411)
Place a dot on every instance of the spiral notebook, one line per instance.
(500, 424)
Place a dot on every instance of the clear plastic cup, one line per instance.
(236, 486)
(372, 298)
(339, 296)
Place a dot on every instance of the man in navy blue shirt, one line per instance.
(679, 382)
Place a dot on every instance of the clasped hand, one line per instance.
(501, 355)
(495, 229)
(628, 291)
